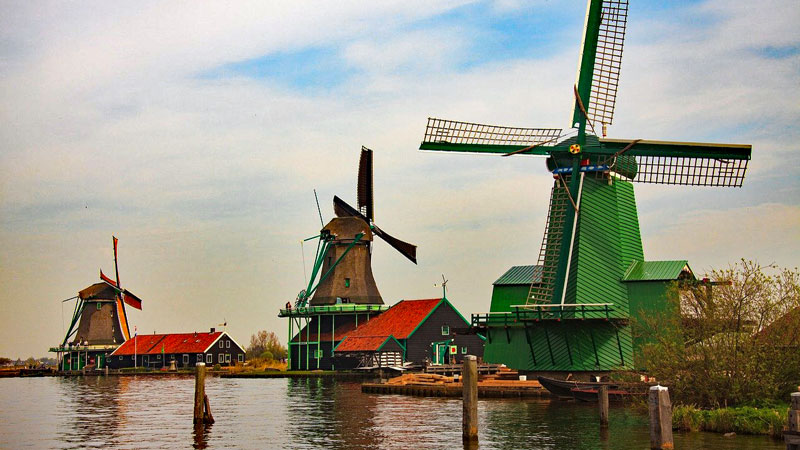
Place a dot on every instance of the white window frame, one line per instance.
(220, 358)
(185, 359)
(209, 358)
(445, 330)
(227, 344)
(241, 357)
(221, 344)
(199, 357)
(227, 357)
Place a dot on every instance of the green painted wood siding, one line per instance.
(505, 296)
(562, 346)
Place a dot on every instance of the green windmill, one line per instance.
(574, 310)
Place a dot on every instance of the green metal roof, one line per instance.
(655, 270)
(517, 275)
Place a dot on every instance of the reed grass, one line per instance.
(743, 420)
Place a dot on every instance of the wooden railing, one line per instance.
(567, 311)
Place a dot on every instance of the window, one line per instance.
(241, 357)
(463, 350)
(120, 357)
(228, 344)
(445, 330)
(199, 357)
(347, 282)
(220, 358)
(221, 344)
(185, 359)
(209, 358)
(99, 306)
(227, 357)
(158, 357)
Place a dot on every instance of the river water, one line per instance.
(156, 412)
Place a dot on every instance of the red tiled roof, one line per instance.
(361, 343)
(171, 343)
(399, 320)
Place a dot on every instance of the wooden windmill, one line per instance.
(341, 292)
(592, 234)
(99, 322)
(344, 258)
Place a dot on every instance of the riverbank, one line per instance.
(741, 420)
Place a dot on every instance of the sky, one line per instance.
(197, 132)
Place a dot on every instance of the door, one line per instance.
(439, 352)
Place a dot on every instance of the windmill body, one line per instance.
(99, 323)
(576, 313)
(351, 280)
(341, 293)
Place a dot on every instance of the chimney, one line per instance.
(213, 330)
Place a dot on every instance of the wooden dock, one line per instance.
(501, 384)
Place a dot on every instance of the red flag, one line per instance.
(106, 279)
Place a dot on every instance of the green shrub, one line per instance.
(743, 420)
(687, 418)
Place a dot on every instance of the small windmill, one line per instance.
(592, 233)
(343, 260)
(99, 317)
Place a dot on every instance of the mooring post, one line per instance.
(660, 418)
(792, 435)
(199, 391)
(469, 379)
(602, 400)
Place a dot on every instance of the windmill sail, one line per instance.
(450, 135)
(678, 163)
(365, 178)
(602, 69)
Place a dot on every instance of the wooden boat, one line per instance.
(563, 388)
(614, 395)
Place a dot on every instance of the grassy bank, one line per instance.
(741, 420)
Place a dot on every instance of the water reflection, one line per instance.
(156, 412)
(200, 434)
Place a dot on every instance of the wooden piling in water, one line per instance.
(202, 408)
(602, 400)
(792, 436)
(660, 418)
(470, 399)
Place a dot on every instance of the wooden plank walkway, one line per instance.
(502, 384)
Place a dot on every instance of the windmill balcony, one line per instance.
(83, 348)
(536, 313)
(330, 309)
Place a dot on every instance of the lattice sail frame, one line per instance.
(680, 170)
(454, 132)
(608, 61)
